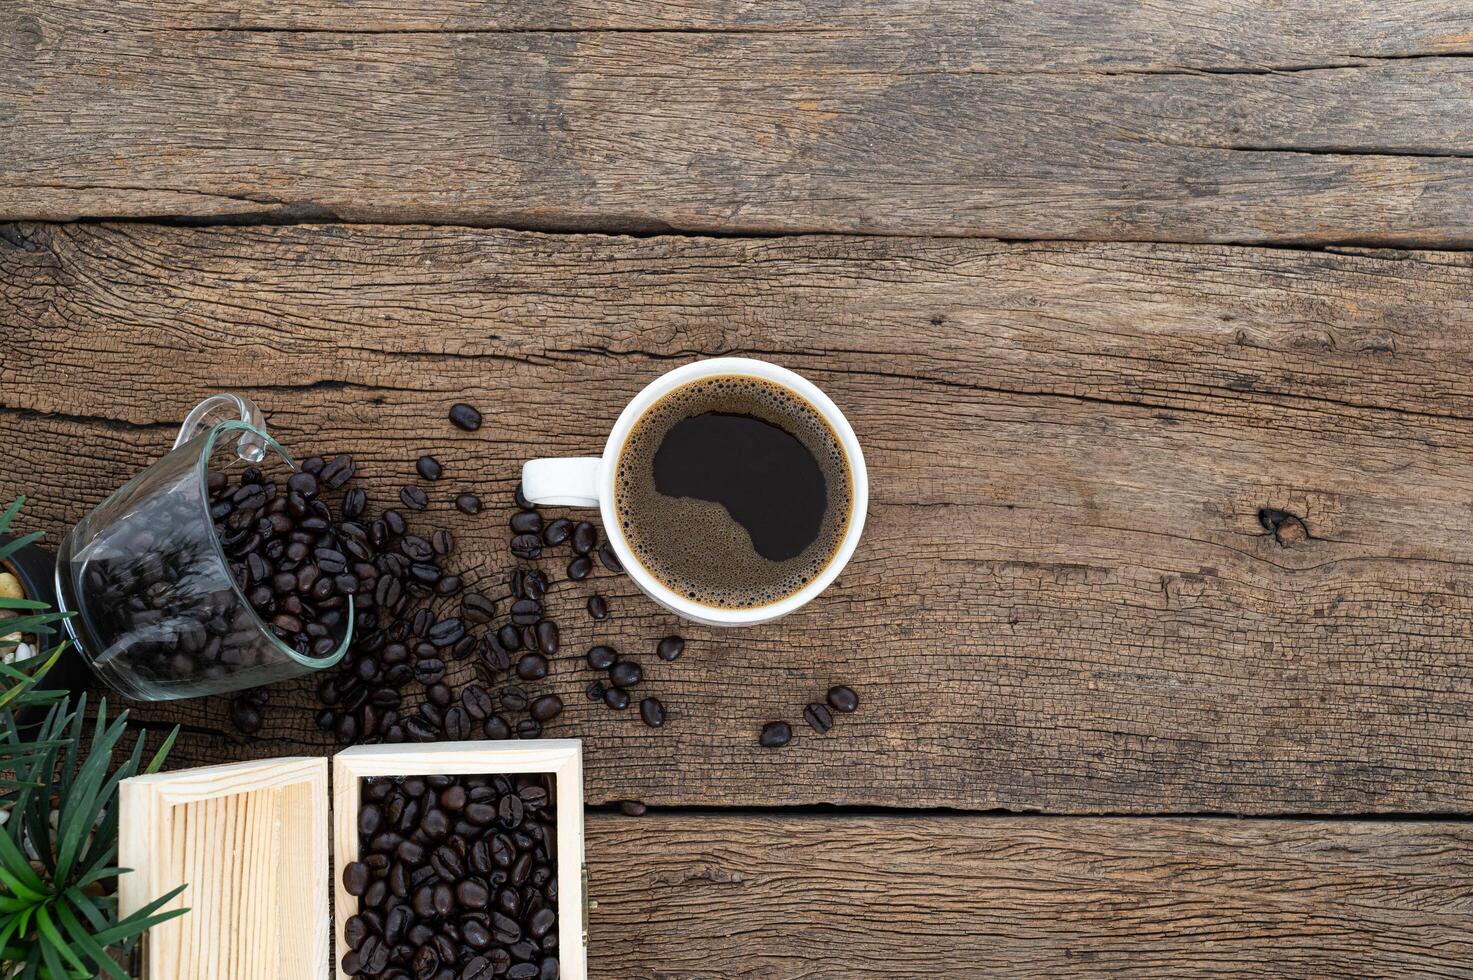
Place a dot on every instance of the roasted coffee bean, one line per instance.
(534, 585)
(625, 673)
(510, 811)
(548, 636)
(446, 632)
(413, 497)
(494, 654)
(775, 734)
(477, 608)
(609, 559)
(355, 878)
(513, 698)
(395, 522)
(670, 648)
(602, 657)
(529, 728)
(337, 472)
(477, 702)
(429, 670)
(843, 699)
(355, 501)
(443, 542)
(302, 482)
(509, 637)
(464, 416)
(632, 808)
(457, 724)
(532, 667)
(819, 717)
(557, 532)
(468, 503)
(496, 728)
(247, 717)
(585, 537)
(541, 923)
(546, 708)
(595, 691)
(616, 699)
(471, 894)
(652, 711)
(429, 468)
(579, 568)
(526, 522)
(526, 546)
(525, 612)
(478, 936)
(416, 548)
(598, 607)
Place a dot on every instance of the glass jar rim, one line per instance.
(210, 439)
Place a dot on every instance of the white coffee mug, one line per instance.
(588, 481)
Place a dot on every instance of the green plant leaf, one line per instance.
(19, 876)
(143, 919)
(88, 907)
(9, 514)
(157, 761)
(14, 545)
(83, 938)
(49, 930)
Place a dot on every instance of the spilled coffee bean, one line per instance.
(775, 734)
(819, 717)
(464, 416)
(652, 711)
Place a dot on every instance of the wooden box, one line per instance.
(251, 839)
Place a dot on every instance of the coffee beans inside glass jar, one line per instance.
(456, 878)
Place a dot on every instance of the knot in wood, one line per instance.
(1288, 529)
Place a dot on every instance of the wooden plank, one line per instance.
(1031, 32)
(798, 897)
(1065, 598)
(1302, 123)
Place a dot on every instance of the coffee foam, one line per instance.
(696, 548)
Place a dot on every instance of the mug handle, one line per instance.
(227, 407)
(569, 482)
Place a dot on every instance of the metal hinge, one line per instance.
(588, 905)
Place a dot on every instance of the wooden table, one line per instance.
(1154, 323)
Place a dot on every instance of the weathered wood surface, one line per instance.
(801, 898)
(1065, 598)
(1197, 121)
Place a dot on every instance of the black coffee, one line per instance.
(733, 491)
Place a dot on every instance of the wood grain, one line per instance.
(801, 897)
(1200, 121)
(1066, 598)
